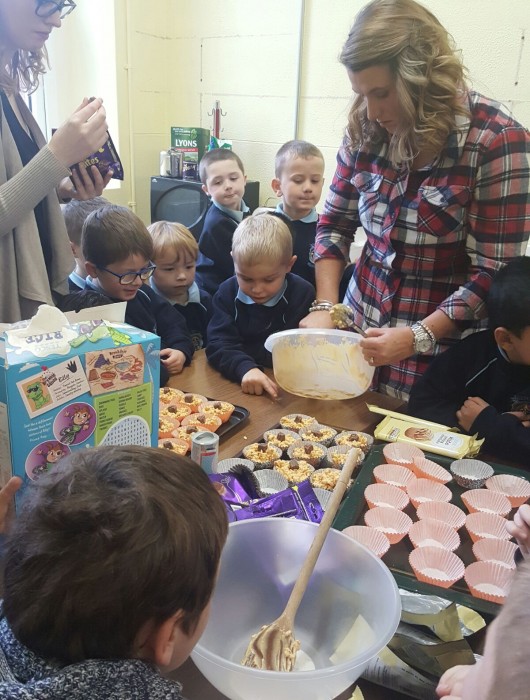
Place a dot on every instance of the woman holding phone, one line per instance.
(34, 176)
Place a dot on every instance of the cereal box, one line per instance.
(69, 385)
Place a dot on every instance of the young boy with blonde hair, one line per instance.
(175, 253)
(109, 571)
(299, 177)
(223, 178)
(263, 297)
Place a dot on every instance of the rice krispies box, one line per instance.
(67, 386)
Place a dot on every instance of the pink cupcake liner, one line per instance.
(486, 526)
(393, 475)
(436, 566)
(470, 473)
(486, 501)
(374, 540)
(402, 454)
(385, 496)
(499, 551)
(489, 580)
(434, 533)
(446, 512)
(391, 522)
(427, 469)
(516, 489)
(423, 490)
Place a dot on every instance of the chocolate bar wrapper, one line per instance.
(232, 490)
(105, 159)
(431, 437)
(298, 502)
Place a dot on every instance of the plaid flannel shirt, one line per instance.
(435, 236)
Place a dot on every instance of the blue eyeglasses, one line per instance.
(130, 277)
(46, 8)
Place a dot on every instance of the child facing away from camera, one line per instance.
(263, 297)
(118, 250)
(298, 180)
(75, 214)
(223, 178)
(175, 253)
(109, 570)
(482, 383)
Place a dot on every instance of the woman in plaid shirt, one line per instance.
(438, 176)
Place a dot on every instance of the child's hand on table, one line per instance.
(520, 529)
(256, 382)
(469, 410)
(173, 360)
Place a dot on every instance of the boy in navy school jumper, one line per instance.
(299, 177)
(263, 297)
(175, 253)
(117, 249)
(482, 383)
(75, 213)
(223, 179)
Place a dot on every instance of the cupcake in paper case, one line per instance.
(175, 411)
(498, 551)
(399, 453)
(425, 468)
(262, 454)
(394, 475)
(385, 496)
(353, 438)
(279, 437)
(423, 490)
(222, 409)
(224, 465)
(393, 523)
(270, 481)
(434, 533)
(186, 432)
(516, 489)
(323, 434)
(486, 526)
(445, 512)
(166, 426)
(194, 401)
(294, 470)
(179, 447)
(325, 478)
(486, 501)
(377, 542)
(336, 455)
(167, 395)
(205, 421)
(470, 473)
(295, 421)
(436, 566)
(311, 452)
(489, 580)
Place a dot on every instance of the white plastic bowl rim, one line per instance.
(332, 334)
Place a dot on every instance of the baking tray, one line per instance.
(352, 513)
(239, 415)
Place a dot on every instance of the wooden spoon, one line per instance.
(274, 647)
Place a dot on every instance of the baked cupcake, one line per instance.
(205, 421)
(186, 432)
(295, 421)
(179, 447)
(167, 395)
(166, 426)
(175, 411)
(311, 452)
(223, 409)
(336, 455)
(355, 439)
(262, 454)
(322, 434)
(281, 438)
(294, 470)
(194, 401)
(325, 478)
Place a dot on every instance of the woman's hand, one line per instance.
(83, 184)
(317, 319)
(385, 346)
(520, 529)
(80, 135)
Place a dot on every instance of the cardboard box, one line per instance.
(68, 385)
(191, 141)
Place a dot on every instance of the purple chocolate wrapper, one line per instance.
(298, 502)
(105, 159)
(232, 490)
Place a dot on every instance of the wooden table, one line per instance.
(351, 414)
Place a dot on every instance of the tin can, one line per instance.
(164, 163)
(205, 450)
(175, 163)
(190, 170)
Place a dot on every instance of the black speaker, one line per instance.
(184, 201)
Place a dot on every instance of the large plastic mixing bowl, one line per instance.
(258, 568)
(319, 363)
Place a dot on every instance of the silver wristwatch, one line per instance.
(424, 338)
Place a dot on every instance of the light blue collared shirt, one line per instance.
(194, 295)
(309, 219)
(236, 214)
(241, 296)
(77, 279)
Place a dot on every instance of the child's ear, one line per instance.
(161, 641)
(290, 265)
(276, 187)
(75, 249)
(91, 269)
(503, 338)
(205, 190)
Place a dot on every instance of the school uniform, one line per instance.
(197, 312)
(304, 232)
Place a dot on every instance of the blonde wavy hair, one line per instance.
(260, 238)
(172, 238)
(22, 73)
(429, 75)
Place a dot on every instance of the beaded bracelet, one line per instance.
(321, 305)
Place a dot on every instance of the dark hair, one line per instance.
(112, 233)
(76, 212)
(84, 299)
(214, 156)
(113, 538)
(294, 149)
(508, 299)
